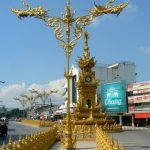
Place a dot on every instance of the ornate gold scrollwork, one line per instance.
(55, 23)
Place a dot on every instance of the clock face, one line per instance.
(88, 79)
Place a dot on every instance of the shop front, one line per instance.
(142, 119)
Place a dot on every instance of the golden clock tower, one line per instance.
(87, 111)
(87, 84)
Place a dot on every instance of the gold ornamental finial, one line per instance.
(86, 47)
(68, 2)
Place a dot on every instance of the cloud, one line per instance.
(7, 93)
(132, 7)
(145, 49)
(52, 85)
(95, 22)
(98, 20)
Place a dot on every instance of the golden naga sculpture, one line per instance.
(99, 10)
(38, 12)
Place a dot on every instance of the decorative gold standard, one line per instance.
(68, 29)
(67, 20)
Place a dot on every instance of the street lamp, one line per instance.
(66, 25)
(43, 94)
(23, 102)
(31, 99)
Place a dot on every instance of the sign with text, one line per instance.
(139, 98)
(114, 97)
(140, 87)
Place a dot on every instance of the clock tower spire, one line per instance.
(87, 84)
(86, 53)
(86, 111)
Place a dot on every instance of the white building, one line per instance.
(116, 72)
(73, 91)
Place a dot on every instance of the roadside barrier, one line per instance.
(39, 123)
(104, 142)
(38, 141)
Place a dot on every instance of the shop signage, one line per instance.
(142, 115)
(114, 97)
(141, 86)
(139, 98)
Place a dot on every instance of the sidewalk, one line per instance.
(81, 145)
(134, 128)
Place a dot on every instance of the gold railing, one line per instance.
(111, 128)
(87, 132)
(80, 132)
(38, 141)
(104, 142)
(39, 123)
(84, 133)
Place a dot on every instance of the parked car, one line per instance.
(18, 119)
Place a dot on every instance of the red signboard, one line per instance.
(142, 115)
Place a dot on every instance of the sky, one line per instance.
(31, 57)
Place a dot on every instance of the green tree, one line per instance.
(16, 113)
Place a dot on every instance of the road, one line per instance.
(80, 145)
(134, 139)
(15, 129)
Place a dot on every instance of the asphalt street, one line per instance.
(134, 139)
(80, 145)
(15, 129)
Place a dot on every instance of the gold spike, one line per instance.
(4, 146)
(123, 148)
(10, 145)
(15, 145)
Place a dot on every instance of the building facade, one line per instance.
(139, 102)
(116, 72)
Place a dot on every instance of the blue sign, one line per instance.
(114, 97)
